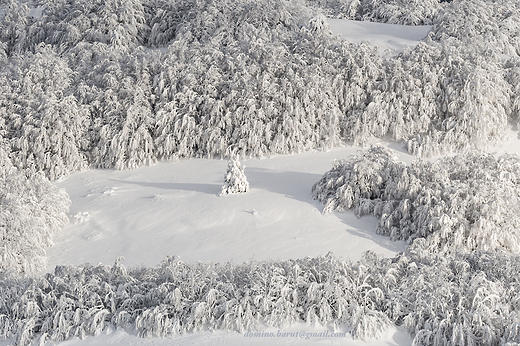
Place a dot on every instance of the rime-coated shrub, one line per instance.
(463, 103)
(461, 203)
(32, 210)
(179, 297)
(481, 23)
(354, 181)
(463, 299)
(457, 299)
(44, 123)
(407, 12)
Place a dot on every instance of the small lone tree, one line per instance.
(235, 180)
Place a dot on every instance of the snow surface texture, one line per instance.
(223, 338)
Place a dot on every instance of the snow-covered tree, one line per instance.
(45, 125)
(13, 27)
(319, 24)
(235, 180)
(406, 12)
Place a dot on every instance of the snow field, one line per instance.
(174, 208)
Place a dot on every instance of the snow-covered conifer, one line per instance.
(235, 180)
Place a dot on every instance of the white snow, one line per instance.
(511, 146)
(391, 39)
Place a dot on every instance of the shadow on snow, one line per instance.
(210, 189)
(295, 185)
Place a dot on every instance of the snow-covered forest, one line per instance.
(116, 84)
(123, 84)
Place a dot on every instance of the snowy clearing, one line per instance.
(391, 39)
(174, 208)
